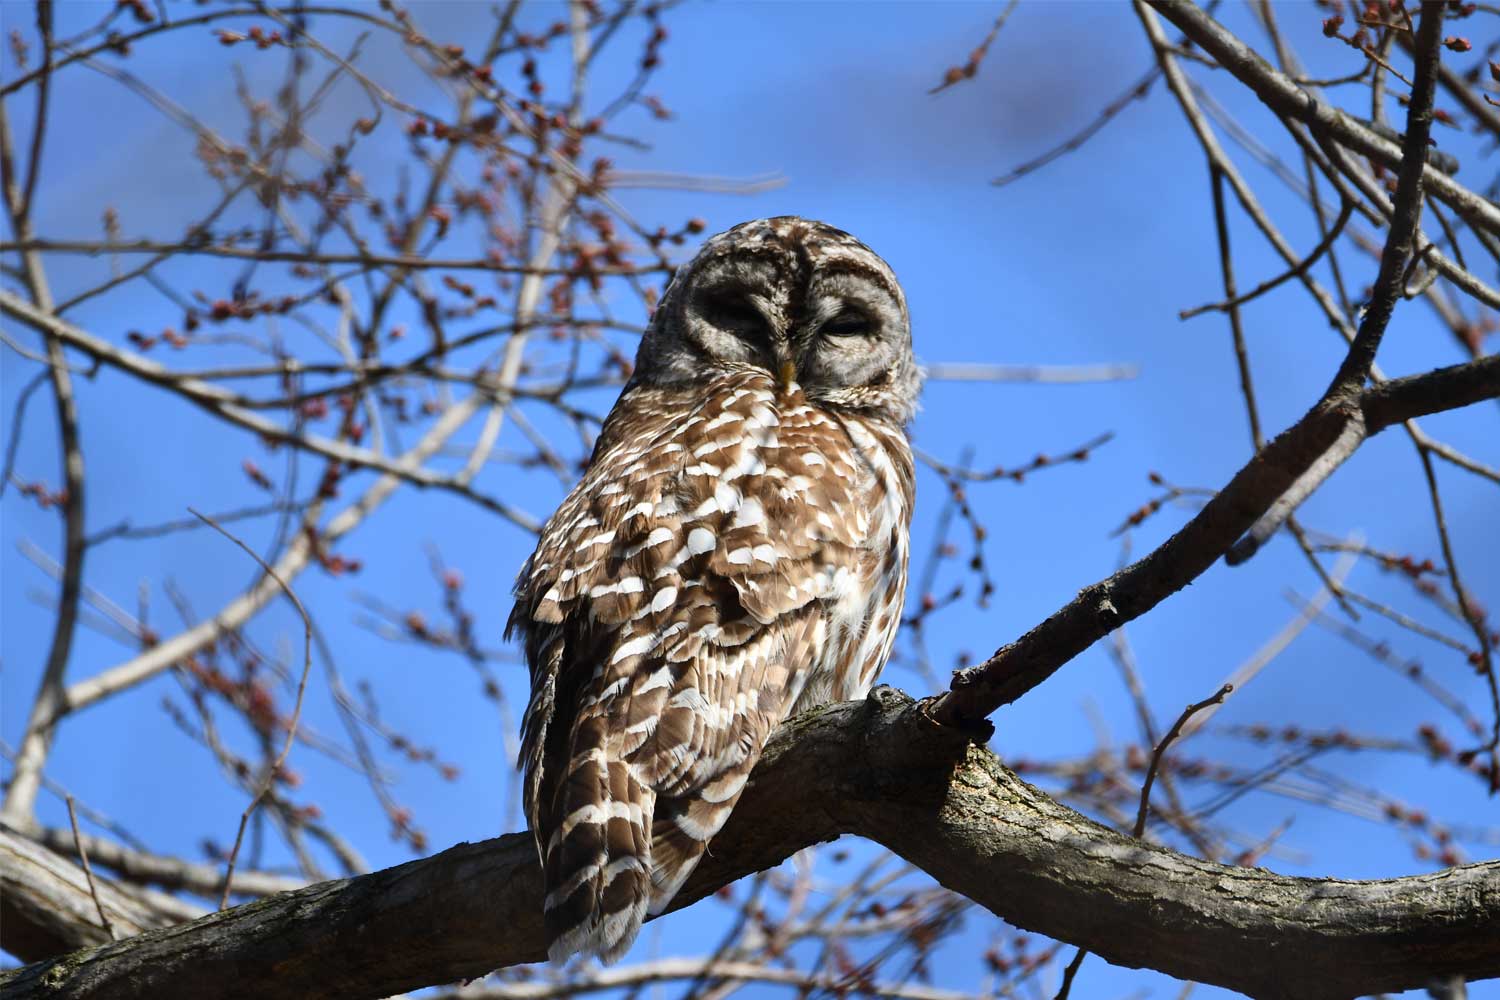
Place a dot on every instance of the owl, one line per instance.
(735, 553)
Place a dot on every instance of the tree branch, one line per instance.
(665, 970)
(1099, 609)
(1276, 480)
(880, 769)
(1282, 95)
(1450, 388)
(404, 261)
(46, 906)
(164, 870)
(1406, 208)
(227, 406)
(36, 740)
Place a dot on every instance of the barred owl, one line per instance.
(735, 553)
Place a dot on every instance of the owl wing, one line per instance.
(673, 610)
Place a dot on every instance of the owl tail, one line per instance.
(616, 851)
(597, 856)
(682, 828)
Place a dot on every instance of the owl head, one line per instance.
(798, 299)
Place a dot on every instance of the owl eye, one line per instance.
(849, 323)
(734, 313)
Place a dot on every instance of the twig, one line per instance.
(1312, 258)
(140, 866)
(225, 405)
(1232, 303)
(39, 129)
(291, 727)
(1140, 817)
(1070, 972)
(125, 529)
(17, 420)
(403, 261)
(1236, 325)
(1137, 92)
(973, 372)
(957, 74)
(88, 872)
(1463, 461)
(661, 970)
(1471, 616)
(116, 41)
(963, 472)
(1430, 253)
(1187, 713)
(1460, 91)
(1183, 90)
(1408, 623)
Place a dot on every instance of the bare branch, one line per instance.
(1270, 475)
(225, 405)
(1285, 97)
(36, 740)
(967, 71)
(1407, 210)
(1217, 698)
(1297, 271)
(403, 261)
(46, 907)
(882, 770)
(1401, 399)
(167, 872)
(665, 970)
(273, 771)
(88, 872)
(978, 372)
(296, 558)
(1136, 92)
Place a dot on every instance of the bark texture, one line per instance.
(46, 906)
(881, 769)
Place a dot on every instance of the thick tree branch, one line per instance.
(1448, 388)
(880, 769)
(46, 906)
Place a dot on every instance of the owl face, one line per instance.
(800, 300)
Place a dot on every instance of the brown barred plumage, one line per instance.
(735, 553)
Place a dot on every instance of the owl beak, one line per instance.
(788, 375)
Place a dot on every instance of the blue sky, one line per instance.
(1086, 262)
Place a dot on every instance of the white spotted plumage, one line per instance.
(735, 552)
